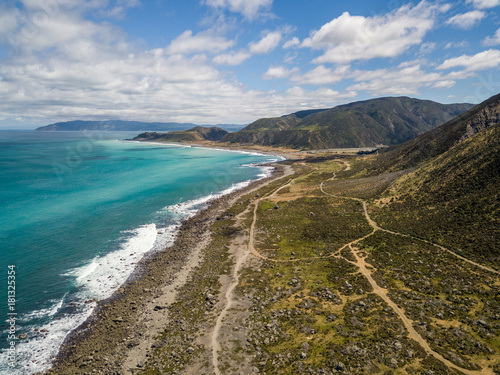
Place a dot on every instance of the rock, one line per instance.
(393, 362)
(303, 355)
(397, 345)
(340, 366)
(331, 318)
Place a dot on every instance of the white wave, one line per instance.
(103, 275)
(98, 280)
(43, 313)
(35, 353)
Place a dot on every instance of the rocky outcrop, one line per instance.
(489, 116)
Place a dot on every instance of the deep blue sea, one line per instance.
(78, 210)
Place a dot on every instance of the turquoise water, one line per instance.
(78, 210)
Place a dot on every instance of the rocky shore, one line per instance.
(128, 321)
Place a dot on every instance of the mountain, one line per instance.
(119, 125)
(442, 138)
(370, 123)
(451, 196)
(196, 134)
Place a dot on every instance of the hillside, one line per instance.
(382, 121)
(119, 125)
(196, 134)
(451, 194)
(441, 139)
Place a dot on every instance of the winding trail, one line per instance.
(376, 227)
(241, 258)
(383, 293)
(408, 323)
(360, 263)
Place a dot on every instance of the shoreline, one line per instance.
(284, 153)
(96, 342)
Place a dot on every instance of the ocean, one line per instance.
(78, 210)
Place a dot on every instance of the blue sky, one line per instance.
(234, 61)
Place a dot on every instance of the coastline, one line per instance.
(98, 342)
(282, 152)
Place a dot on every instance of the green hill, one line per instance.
(371, 123)
(196, 134)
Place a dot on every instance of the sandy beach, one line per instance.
(122, 329)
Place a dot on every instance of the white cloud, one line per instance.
(426, 48)
(462, 44)
(405, 80)
(444, 84)
(121, 7)
(248, 8)
(73, 68)
(275, 72)
(232, 59)
(321, 98)
(467, 20)
(484, 4)
(322, 76)
(266, 44)
(292, 43)
(9, 22)
(483, 60)
(289, 57)
(492, 40)
(349, 38)
(186, 43)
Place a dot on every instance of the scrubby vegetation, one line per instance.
(452, 200)
(454, 304)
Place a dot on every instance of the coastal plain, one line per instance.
(341, 262)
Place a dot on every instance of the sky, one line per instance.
(235, 61)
